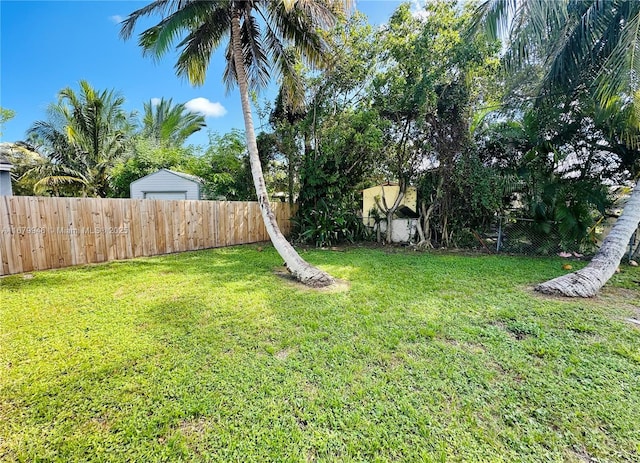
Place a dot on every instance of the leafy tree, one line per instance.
(583, 44)
(425, 91)
(556, 170)
(24, 159)
(284, 140)
(333, 142)
(332, 176)
(144, 157)
(5, 116)
(83, 137)
(257, 30)
(225, 168)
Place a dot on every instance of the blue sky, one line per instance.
(46, 46)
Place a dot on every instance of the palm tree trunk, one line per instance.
(301, 270)
(588, 281)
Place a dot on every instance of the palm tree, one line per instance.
(259, 31)
(582, 43)
(164, 122)
(84, 135)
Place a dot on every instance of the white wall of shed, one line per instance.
(164, 182)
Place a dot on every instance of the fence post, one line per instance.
(499, 242)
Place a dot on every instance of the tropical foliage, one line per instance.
(167, 124)
(146, 156)
(5, 115)
(83, 136)
(581, 46)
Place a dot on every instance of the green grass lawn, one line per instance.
(210, 356)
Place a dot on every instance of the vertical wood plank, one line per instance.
(5, 236)
(77, 231)
(11, 246)
(159, 225)
(218, 223)
(37, 240)
(49, 213)
(205, 213)
(86, 215)
(99, 225)
(30, 216)
(136, 227)
(127, 216)
(190, 219)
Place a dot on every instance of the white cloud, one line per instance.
(155, 101)
(205, 107)
(418, 9)
(116, 19)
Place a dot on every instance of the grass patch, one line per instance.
(211, 356)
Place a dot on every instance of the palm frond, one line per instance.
(199, 44)
(494, 18)
(620, 73)
(206, 24)
(255, 59)
(300, 29)
(156, 7)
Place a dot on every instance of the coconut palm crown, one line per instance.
(268, 28)
(580, 42)
(84, 134)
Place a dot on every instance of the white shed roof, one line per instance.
(189, 177)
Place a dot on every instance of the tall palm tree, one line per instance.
(259, 32)
(582, 43)
(164, 122)
(84, 135)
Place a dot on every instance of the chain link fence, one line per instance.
(510, 234)
(517, 235)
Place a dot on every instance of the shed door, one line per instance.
(165, 194)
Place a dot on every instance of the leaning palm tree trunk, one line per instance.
(301, 270)
(588, 281)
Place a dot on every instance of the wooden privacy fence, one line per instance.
(38, 233)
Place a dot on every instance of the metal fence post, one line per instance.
(499, 241)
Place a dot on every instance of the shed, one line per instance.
(390, 192)
(5, 174)
(404, 223)
(167, 184)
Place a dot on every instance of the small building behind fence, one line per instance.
(404, 222)
(167, 184)
(5, 175)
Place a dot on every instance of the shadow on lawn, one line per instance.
(225, 263)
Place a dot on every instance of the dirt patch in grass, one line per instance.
(283, 354)
(196, 427)
(580, 456)
(607, 295)
(472, 347)
(339, 286)
(623, 298)
(619, 296)
(100, 422)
